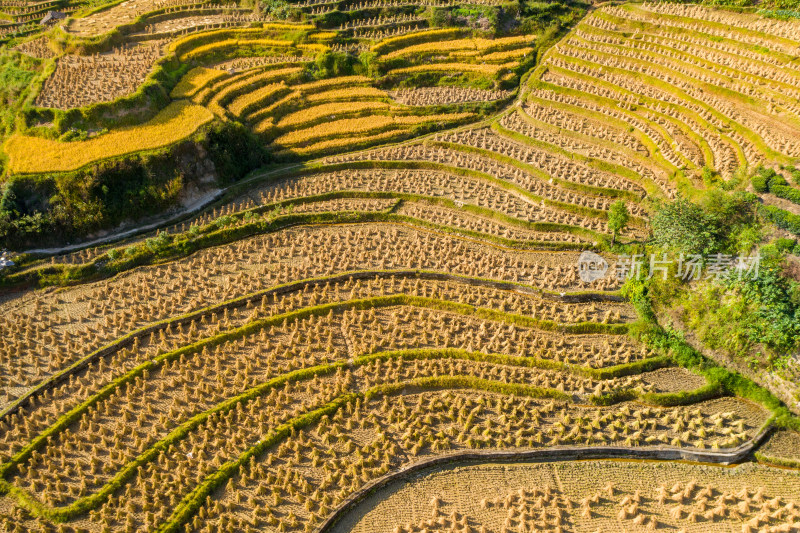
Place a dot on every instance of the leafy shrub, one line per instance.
(330, 64)
(280, 10)
(781, 218)
(73, 134)
(157, 243)
(710, 178)
(617, 218)
(50, 208)
(684, 226)
(16, 74)
(784, 245)
(714, 226)
(759, 183)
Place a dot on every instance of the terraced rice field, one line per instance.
(326, 356)
(632, 495)
(720, 95)
(328, 328)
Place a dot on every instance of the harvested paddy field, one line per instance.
(583, 496)
(413, 303)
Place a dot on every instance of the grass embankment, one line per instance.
(721, 381)
(84, 504)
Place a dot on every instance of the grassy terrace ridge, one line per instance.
(301, 285)
(604, 166)
(698, 139)
(751, 137)
(588, 189)
(660, 51)
(86, 503)
(650, 187)
(650, 142)
(713, 89)
(182, 245)
(184, 72)
(358, 304)
(191, 503)
(500, 182)
(340, 310)
(716, 25)
(195, 499)
(575, 109)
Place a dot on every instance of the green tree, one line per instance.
(686, 227)
(617, 218)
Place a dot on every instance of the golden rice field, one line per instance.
(28, 154)
(194, 80)
(389, 328)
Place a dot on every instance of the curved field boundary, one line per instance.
(650, 186)
(701, 143)
(97, 268)
(191, 502)
(569, 185)
(358, 304)
(556, 453)
(89, 502)
(518, 190)
(613, 168)
(178, 121)
(742, 130)
(287, 288)
(236, 189)
(649, 142)
(84, 504)
(548, 227)
(780, 462)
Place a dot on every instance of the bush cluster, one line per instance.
(45, 208)
(767, 180)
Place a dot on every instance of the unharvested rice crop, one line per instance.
(343, 81)
(477, 44)
(434, 47)
(346, 94)
(189, 42)
(344, 142)
(361, 125)
(330, 111)
(233, 44)
(264, 125)
(486, 69)
(410, 39)
(243, 81)
(242, 104)
(504, 42)
(194, 80)
(507, 55)
(279, 26)
(177, 121)
(266, 112)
